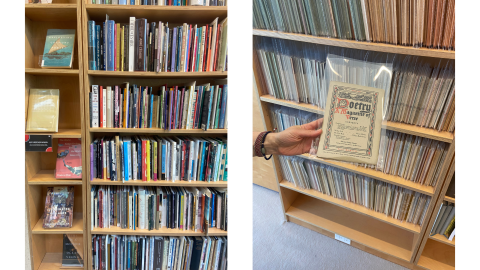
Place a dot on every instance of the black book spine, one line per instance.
(169, 58)
(125, 46)
(140, 36)
(206, 101)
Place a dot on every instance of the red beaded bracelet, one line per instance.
(259, 145)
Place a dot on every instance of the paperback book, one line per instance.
(59, 49)
(58, 207)
(69, 159)
(72, 255)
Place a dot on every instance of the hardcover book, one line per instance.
(69, 159)
(59, 48)
(58, 207)
(72, 255)
(43, 110)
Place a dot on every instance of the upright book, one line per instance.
(69, 159)
(72, 255)
(59, 48)
(58, 207)
(43, 110)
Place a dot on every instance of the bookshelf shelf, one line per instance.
(77, 227)
(172, 14)
(51, 71)
(47, 177)
(162, 231)
(437, 255)
(394, 126)
(443, 239)
(360, 45)
(51, 12)
(358, 228)
(62, 133)
(53, 261)
(159, 183)
(449, 199)
(399, 181)
(159, 131)
(213, 74)
(353, 207)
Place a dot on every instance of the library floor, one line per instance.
(290, 246)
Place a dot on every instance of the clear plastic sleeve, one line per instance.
(43, 110)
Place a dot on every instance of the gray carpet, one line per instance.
(290, 246)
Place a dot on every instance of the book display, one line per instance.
(387, 207)
(211, 3)
(63, 166)
(156, 149)
(54, 112)
(159, 252)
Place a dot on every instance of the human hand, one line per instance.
(294, 140)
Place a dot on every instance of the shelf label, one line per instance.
(342, 239)
(38, 143)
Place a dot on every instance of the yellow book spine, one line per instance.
(148, 161)
(182, 226)
(155, 159)
(122, 41)
(117, 55)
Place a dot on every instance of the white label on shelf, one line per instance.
(342, 239)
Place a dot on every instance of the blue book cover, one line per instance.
(58, 51)
(97, 46)
(174, 47)
(223, 109)
(111, 46)
(151, 109)
(210, 105)
(179, 48)
(122, 2)
(132, 2)
(164, 149)
(217, 160)
(91, 46)
(212, 208)
(129, 244)
(104, 35)
(125, 160)
(225, 176)
(139, 158)
(204, 152)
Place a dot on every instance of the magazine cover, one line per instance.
(58, 207)
(58, 51)
(72, 255)
(69, 159)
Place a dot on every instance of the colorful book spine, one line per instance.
(174, 46)
(91, 46)
(223, 109)
(111, 46)
(97, 47)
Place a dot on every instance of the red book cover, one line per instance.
(182, 167)
(101, 106)
(203, 212)
(144, 160)
(219, 31)
(69, 159)
(180, 116)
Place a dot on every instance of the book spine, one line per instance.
(94, 106)
(131, 44)
(116, 108)
(97, 47)
(91, 45)
(104, 47)
(115, 48)
(221, 122)
(174, 46)
(111, 46)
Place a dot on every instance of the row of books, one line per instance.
(411, 157)
(142, 46)
(158, 252)
(422, 23)
(153, 208)
(161, 2)
(418, 93)
(154, 158)
(174, 107)
(445, 221)
(38, 1)
(396, 202)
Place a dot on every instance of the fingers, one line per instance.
(314, 124)
(304, 133)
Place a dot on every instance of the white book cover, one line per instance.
(92, 214)
(130, 211)
(213, 108)
(202, 49)
(109, 106)
(134, 161)
(190, 108)
(160, 43)
(207, 253)
(195, 159)
(161, 2)
(217, 256)
(452, 235)
(104, 105)
(141, 203)
(185, 108)
(131, 44)
(196, 3)
(194, 48)
(213, 45)
(174, 161)
(96, 213)
(168, 160)
(95, 106)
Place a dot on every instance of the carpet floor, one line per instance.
(278, 245)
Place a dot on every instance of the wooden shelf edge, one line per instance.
(354, 207)
(160, 183)
(52, 71)
(360, 45)
(159, 130)
(51, 6)
(156, 8)
(449, 199)
(163, 231)
(221, 74)
(292, 216)
(424, 263)
(394, 126)
(442, 239)
(396, 180)
(77, 227)
(47, 177)
(62, 133)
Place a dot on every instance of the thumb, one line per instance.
(304, 133)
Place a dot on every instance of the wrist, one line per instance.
(270, 145)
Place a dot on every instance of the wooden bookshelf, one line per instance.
(437, 252)
(360, 45)
(394, 126)
(385, 237)
(46, 244)
(174, 16)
